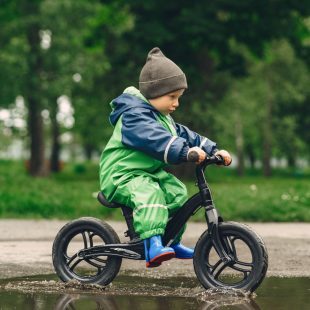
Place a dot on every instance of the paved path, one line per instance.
(25, 248)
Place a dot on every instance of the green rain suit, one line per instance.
(132, 164)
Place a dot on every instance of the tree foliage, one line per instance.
(246, 63)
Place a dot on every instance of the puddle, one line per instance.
(136, 292)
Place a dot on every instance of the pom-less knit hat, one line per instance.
(160, 75)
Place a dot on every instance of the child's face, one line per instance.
(168, 103)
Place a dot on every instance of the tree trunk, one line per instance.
(239, 144)
(56, 147)
(32, 95)
(88, 149)
(267, 136)
(251, 155)
(266, 158)
(291, 160)
(35, 126)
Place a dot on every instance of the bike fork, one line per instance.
(213, 232)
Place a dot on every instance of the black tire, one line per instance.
(219, 275)
(80, 234)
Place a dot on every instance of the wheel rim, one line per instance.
(83, 269)
(234, 274)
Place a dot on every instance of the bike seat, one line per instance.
(106, 203)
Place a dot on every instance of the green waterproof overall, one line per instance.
(154, 199)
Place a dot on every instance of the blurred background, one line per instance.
(247, 65)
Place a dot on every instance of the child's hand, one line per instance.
(225, 155)
(200, 152)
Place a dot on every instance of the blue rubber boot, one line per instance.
(147, 258)
(182, 251)
(155, 252)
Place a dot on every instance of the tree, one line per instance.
(63, 54)
(102, 74)
(264, 107)
(43, 44)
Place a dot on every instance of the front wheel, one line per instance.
(81, 234)
(249, 259)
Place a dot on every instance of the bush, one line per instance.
(71, 194)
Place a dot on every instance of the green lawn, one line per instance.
(71, 194)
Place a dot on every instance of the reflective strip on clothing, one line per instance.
(154, 205)
(204, 140)
(167, 149)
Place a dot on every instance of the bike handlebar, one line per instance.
(193, 156)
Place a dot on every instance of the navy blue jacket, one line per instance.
(145, 129)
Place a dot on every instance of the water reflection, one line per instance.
(232, 299)
(131, 293)
(241, 305)
(72, 302)
(93, 302)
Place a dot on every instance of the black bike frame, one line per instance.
(203, 199)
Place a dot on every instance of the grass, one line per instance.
(72, 193)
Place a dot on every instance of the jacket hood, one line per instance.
(131, 98)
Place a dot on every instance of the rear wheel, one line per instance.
(249, 259)
(81, 234)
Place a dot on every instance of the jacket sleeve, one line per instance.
(194, 139)
(141, 131)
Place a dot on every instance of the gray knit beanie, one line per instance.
(160, 75)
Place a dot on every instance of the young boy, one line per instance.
(144, 141)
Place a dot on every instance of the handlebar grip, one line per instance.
(193, 156)
(219, 159)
